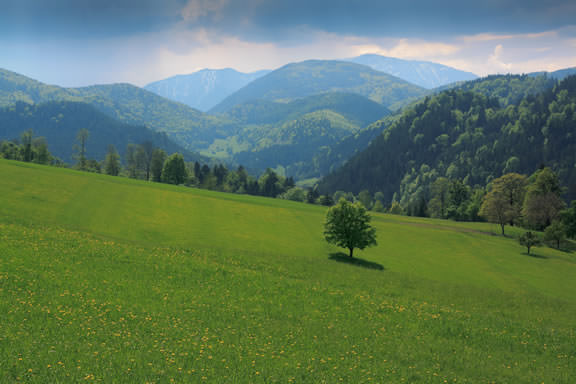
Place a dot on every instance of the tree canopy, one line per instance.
(348, 226)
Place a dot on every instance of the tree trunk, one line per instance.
(351, 252)
(528, 249)
(502, 225)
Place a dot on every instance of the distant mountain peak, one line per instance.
(205, 88)
(426, 74)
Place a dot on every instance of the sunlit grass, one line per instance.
(112, 280)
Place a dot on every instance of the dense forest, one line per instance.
(462, 134)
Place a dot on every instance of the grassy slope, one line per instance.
(105, 278)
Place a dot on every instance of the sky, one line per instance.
(85, 42)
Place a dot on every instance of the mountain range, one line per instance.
(312, 77)
(206, 88)
(304, 119)
(255, 131)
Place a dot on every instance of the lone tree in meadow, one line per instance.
(529, 240)
(348, 226)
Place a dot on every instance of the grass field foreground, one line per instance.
(114, 280)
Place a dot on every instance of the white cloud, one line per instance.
(491, 37)
(148, 57)
(408, 49)
(495, 60)
(196, 9)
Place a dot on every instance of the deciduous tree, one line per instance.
(555, 233)
(112, 161)
(543, 203)
(82, 140)
(529, 239)
(174, 171)
(503, 204)
(157, 163)
(348, 226)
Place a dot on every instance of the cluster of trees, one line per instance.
(147, 162)
(28, 148)
(534, 203)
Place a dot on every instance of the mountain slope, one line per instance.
(204, 89)
(59, 122)
(354, 107)
(426, 74)
(465, 135)
(15, 87)
(124, 102)
(134, 105)
(561, 74)
(312, 77)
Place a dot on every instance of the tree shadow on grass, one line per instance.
(536, 256)
(341, 257)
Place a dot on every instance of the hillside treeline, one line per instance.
(467, 136)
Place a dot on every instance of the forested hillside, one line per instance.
(296, 136)
(465, 135)
(508, 89)
(59, 123)
(126, 103)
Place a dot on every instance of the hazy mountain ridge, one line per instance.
(203, 89)
(322, 119)
(292, 135)
(425, 74)
(307, 78)
(125, 102)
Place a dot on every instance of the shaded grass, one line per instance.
(344, 258)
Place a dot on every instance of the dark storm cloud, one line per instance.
(262, 20)
(280, 19)
(86, 18)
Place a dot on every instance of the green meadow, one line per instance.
(106, 279)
